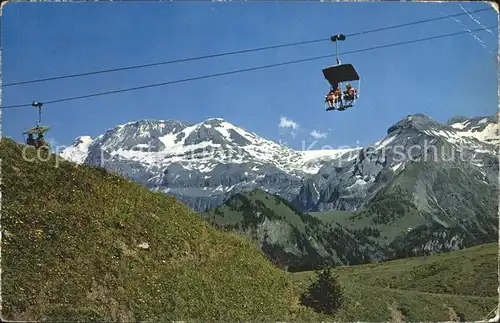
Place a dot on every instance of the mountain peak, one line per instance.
(78, 151)
(417, 121)
(483, 128)
(82, 140)
(418, 116)
(457, 119)
(150, 123)
(214, 120)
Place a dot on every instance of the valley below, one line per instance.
(424, 187)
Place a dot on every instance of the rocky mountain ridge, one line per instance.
(206, 163)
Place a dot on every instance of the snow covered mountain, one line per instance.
(206, 163)
(202, 164)
(484, 129)
(79, 150)
(417, 138)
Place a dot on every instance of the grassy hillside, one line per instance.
(427, 208)
(421, 288)
(292, 239)
(287, 237)
(342, 217)
(443, 205)
(82, 244)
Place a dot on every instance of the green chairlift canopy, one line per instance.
(36, 130)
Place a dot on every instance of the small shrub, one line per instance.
(325, 294)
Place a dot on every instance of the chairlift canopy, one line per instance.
(340, 73)
(37, 130)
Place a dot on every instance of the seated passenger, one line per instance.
(40, 141)
(350, 93)
(331, 98)
(30, 141)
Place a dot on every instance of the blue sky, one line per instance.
(441, 78)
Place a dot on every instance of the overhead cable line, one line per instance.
(238, 51)
(246, 69)
(418, 22)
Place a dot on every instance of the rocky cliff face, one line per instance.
(291, 239)
(348, 182)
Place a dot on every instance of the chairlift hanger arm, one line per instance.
(340, 37)
(334, 39)
(39, 106)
